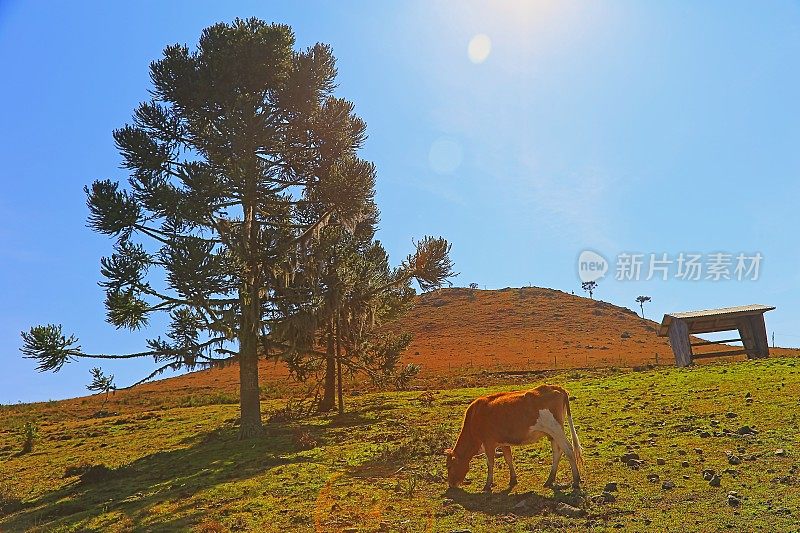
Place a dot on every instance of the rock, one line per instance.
(698, 451)
(565, 509)
(715, 481)
(521, 505)
(668, 485)
(604, 497)
(733, 499)
(681, 452)
(661, 461)
(704, 434)
(626, 457)
(653, 478)
(461, 531)
(611, 486)
(734, 460)
(685, 464)
(746, 430)
(780, 452)
(635, 463)
(748, 395)
(731, 414)
(708, 474)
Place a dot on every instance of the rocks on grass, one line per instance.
(653, 478)
(708, 474)
(611, 486)
(668, 485)
(604, 497)
(565, 509)
(734, 500)
(734, 460)
(661, 461)
(715, 481)
(780, 452)
(746, 430)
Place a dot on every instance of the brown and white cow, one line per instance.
(508, 419)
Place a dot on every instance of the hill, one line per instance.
(465, 337)
(380, 468)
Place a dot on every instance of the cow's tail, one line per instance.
(576, 443)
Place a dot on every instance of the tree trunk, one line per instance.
(329, 396)
(249, 397)
(249, 393)
(339, 367)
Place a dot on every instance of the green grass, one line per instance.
(379, 466)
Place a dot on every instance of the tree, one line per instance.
(641, 300)
(473, 286)
(101, 383)
(241, 135)
(352, 294)
(589, 286)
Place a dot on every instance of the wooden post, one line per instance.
(745, 327)
(759, 330)
(679, 340)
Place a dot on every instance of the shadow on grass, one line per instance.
(503, 502)
(209, 459)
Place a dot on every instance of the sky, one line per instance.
(525, 132)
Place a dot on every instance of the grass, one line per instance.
(379, 467)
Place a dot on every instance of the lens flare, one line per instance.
(479, 48)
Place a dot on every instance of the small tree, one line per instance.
(29, 434)
(473, 286)
(641, 300)
(589, 286)
(101, 383)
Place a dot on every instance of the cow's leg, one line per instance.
(552, 428)
(564, 444)
(489, 447)
(510, 462)
(556, 459)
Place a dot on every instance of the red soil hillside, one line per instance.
(528, 328)
(459, 332)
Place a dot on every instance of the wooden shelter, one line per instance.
(747, 319)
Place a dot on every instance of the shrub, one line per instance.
(29, 434)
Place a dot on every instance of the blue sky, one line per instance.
(637, 127)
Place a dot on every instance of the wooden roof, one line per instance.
(708, 320)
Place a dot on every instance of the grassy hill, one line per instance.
(378, 468)
(464, 337)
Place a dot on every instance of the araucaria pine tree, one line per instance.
(241, 135)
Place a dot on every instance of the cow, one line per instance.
(506, 419)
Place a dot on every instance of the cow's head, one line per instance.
(456, 468)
